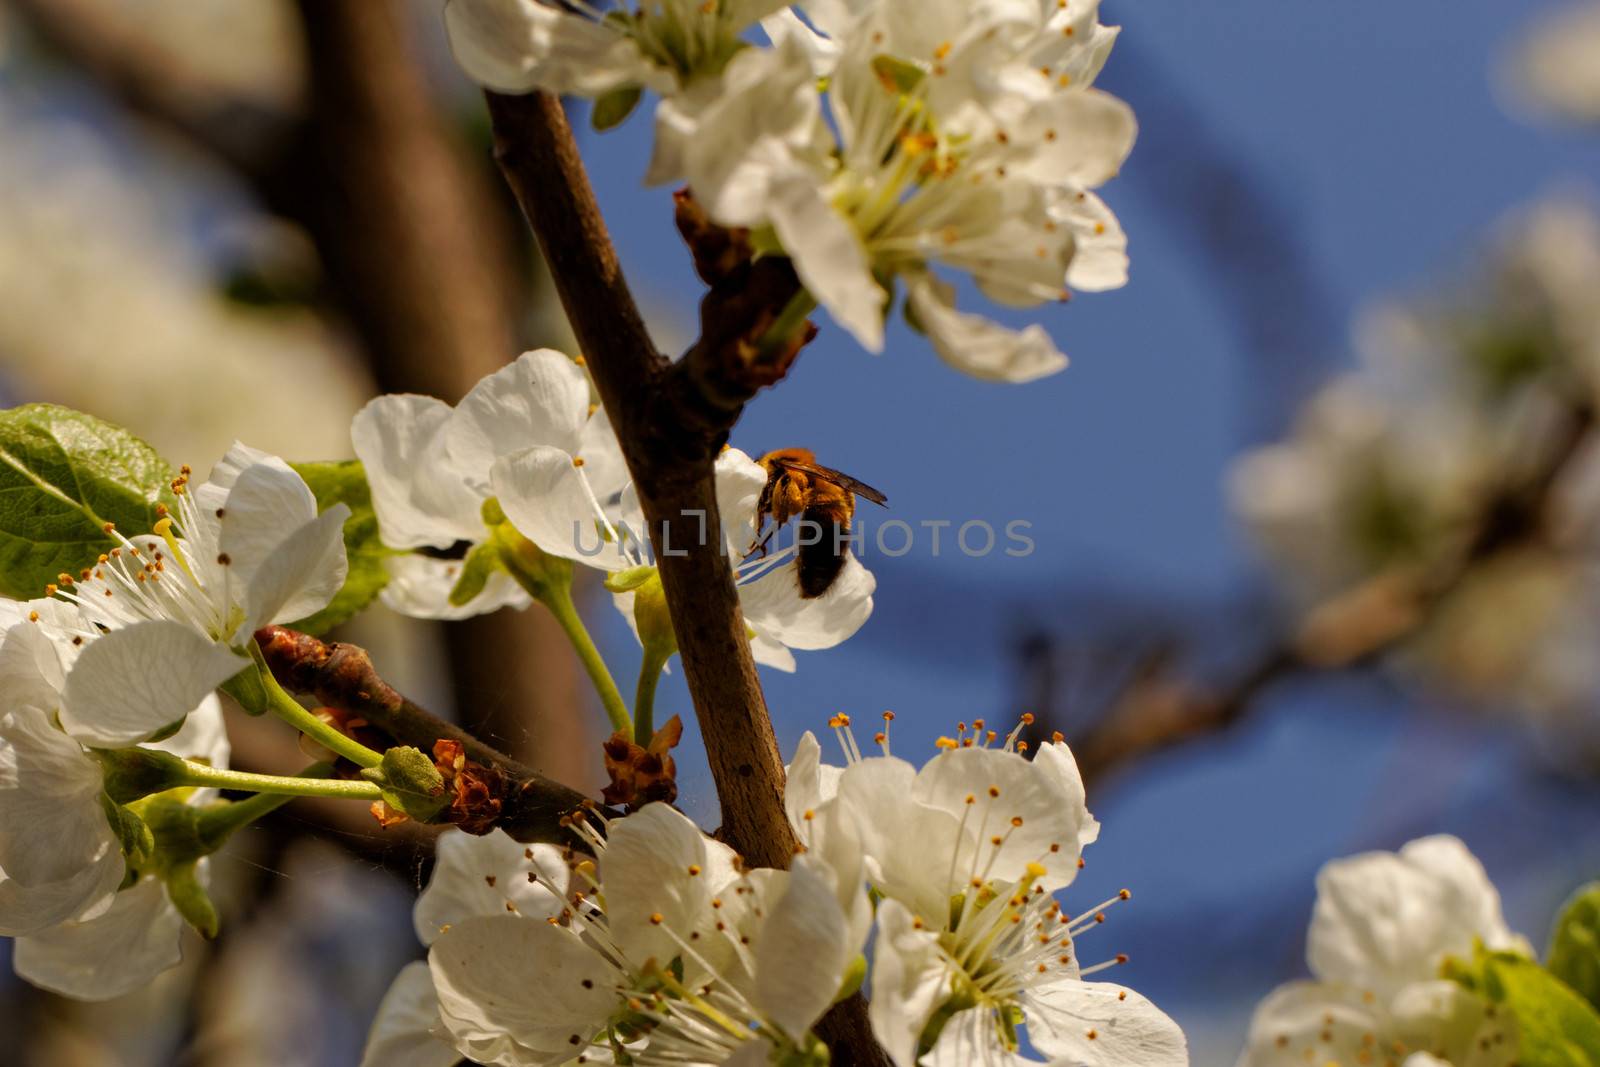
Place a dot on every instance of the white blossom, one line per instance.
(966, 854)
(245, 549)
(1556, 68)
(946, 153)
(676, 48)
(61, 865)
(429, 466)
(556, 504)
(1383, 925)
(662, 945)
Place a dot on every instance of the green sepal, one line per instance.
(192, 900)
(134, 773)
(1574, 955)
(476, 570)
(963, 995)
(1553, 1026)
(410, 782)
(653, 618)
(536, 570)
(63, 476)
(904, 76)
(133, 835)
(249, 689)
(613, 108)
(346, 483)
(854, 976)
(630, 579)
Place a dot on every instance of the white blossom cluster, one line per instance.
(870, 141)
(1383, 926)
(117, 657)
(1391, 468)
(663, 949)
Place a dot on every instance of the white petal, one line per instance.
(267, 502)
(540, 398)
(419, 496)
(225, 472)
(1055, 759)
(1383, 920)
(808, 782)
(515, 46)
(58, 857)
(909, 853)
(908, 982)
(110, 955)
(803, 951)
(1006, 787)
(1095, 133)
(740, 482)
(419, 586)
(1294, 1018)
(1126, 1028)
(761, 121)
(549, 501)
(646, 870)
(828, 256)
(1100, 257)
(770, 653)
(976, 345)
(30, 668)
(602, 458)
(301, 575)
(972, 1037)
(774, 608)
(488, 876)
(526, 981)
(134, 681)
(405, 1032)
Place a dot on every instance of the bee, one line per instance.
(821, 497)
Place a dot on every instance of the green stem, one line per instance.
(220, 822)
(789, 320)
(559, 600)
(290, 711)
(644, 699)
(315, 782)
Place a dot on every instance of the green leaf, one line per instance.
(346, 483)
(1574, 955)
(613, 108)
(63, 476)
(1554, 1026)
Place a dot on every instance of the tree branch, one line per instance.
(671, 419)
(527, 805)
(1353, 629)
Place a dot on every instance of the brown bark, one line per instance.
(528, 806)
(671, 419)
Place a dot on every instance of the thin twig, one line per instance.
(1354, 629)
(525, 804)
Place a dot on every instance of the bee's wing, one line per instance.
(844, 481)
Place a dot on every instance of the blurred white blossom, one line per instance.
(1555, 68)
(125, 319)
(1383, 925)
